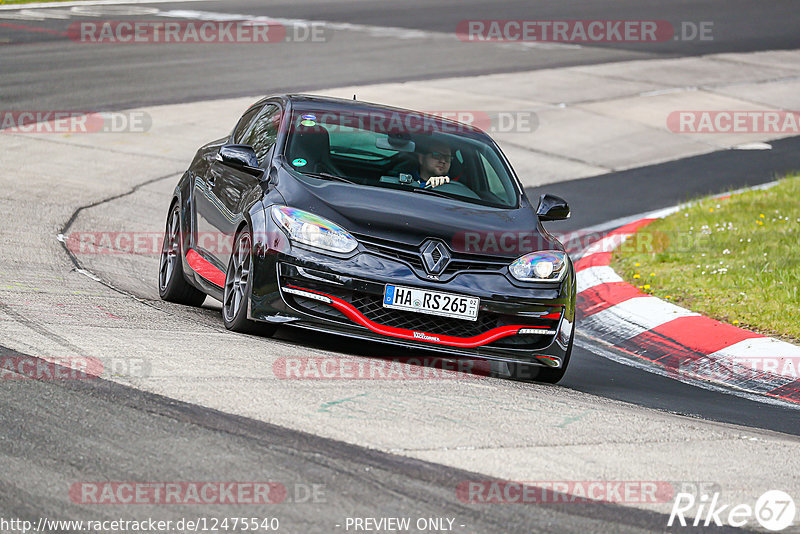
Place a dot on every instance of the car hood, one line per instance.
(410, 218)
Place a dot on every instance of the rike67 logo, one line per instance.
(774, 510)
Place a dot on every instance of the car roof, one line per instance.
(339, 104)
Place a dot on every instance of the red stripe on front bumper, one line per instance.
(205, 268)
(465, 342)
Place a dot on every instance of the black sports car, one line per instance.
(374, 222)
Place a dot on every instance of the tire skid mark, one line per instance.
(39, 328)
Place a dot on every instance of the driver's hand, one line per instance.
(435, 181)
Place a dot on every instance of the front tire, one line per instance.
(238, 280)
(172, 286)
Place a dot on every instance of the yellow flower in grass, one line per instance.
(735, 321)
(637, 264)
(762, 216)
(636, 276)
(652, 274)
(647, 286)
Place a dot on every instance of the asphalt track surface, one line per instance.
(40, 73)
(41, 454)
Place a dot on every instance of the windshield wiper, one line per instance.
(435, 193)
(328, 176)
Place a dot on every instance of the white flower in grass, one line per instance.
(726, 251)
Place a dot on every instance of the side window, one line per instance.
(243, 123)
(263, 133)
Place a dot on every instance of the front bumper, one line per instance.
(516, 322)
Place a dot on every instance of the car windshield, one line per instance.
(400, 150)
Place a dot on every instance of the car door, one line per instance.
(206, 239)
(230, 188)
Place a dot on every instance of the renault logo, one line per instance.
(435, 256)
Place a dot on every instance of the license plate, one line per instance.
(431, 302)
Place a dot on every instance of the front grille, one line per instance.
(410, 254)
(372, 307)
(411, 258)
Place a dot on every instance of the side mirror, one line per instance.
(552, 208)
(240, 157)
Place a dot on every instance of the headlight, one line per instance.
(544, 266)
(309, 229)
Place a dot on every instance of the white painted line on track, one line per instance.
(607, 244)
(191, 14)
(111, 11)
(608, 351)
(594, 276)
(637, 315)
(783, 356)
(378, 31)
(753, 146)
(38, 14)
(45, 5)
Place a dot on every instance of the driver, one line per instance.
(434, 164)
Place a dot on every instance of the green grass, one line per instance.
(736, 260)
